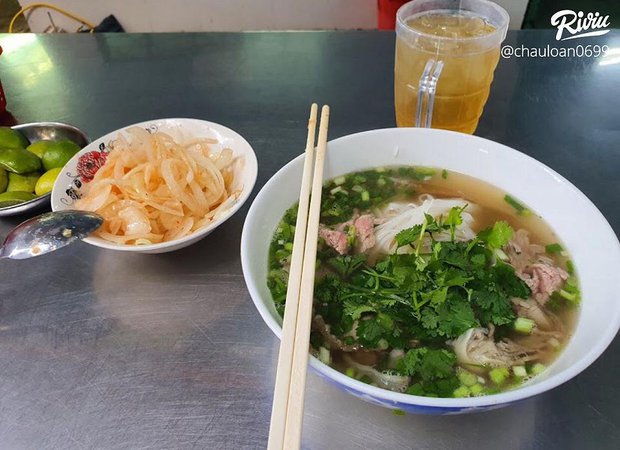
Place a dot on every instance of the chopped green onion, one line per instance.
(499, 375)
(554, 248)
(382, 344)
(339, 180)
(571, 297)
(351, 235)
(380, 169)
(444, 174)
(365, 196)
(537, 369)
(519, 371)
(357, 188)
(524, 325)
(570, 268)
(571, 285)
(461, 392)
(554, 343)
(282, 254)
(350, 372)
(466, 378)
(324, 355)
(289, 246)
(476, 389)
(521, 210)
(398, 412)
(338, 189)
(425, 172)
(501, 254)
(381, 181)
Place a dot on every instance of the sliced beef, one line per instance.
(365, 232)
(336, 239)
(337, 236)
(543, 279)
(521, 252)
(534, 267)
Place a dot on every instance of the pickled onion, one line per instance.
(153, 189)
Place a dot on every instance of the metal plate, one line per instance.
(38, 131)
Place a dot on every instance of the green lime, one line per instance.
(13, 198)
(40, 147)
(10, 138)
(4, 180)
(59, 154)
(46, 181)
(24, 183)
(19, 160)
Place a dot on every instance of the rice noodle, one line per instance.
(398, 216)
(152, 189)
(477, 347)
(388, 379)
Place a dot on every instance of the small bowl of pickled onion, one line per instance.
(160, 185)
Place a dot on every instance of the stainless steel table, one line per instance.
(100, 349)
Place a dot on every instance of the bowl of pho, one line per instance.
(446, 282)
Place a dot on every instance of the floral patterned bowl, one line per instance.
(81, 169)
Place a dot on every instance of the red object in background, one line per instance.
(387, 13)
(6, 118)
(2, 98)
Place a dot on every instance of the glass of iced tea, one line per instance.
(446, 53)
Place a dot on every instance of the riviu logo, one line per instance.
(577, 24)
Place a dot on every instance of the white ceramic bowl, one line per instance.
(579, 224)
(69, 183)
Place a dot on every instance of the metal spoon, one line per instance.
(48, 232)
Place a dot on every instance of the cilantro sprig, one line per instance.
(434, 370)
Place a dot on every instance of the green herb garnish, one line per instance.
(554, 248)
(519, 208)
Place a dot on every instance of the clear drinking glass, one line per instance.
(446, 53)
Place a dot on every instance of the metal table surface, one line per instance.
(101, 349)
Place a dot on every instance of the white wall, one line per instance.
(230, 15)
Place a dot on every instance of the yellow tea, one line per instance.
(457, 38)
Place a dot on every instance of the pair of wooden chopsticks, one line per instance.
(288, 399)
